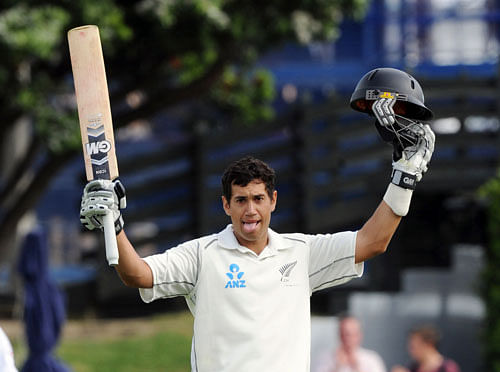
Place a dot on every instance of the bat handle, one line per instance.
(110, 239)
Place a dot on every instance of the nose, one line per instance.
(251, 208)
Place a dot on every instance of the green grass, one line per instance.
(158, 343)
(164, 351)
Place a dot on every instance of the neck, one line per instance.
(257, 250)
(431, 361)
(255, 246)
(351, 349)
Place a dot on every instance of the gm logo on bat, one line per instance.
(94, 148)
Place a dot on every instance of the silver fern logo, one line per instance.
(286, 270)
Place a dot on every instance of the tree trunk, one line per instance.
(29, 198)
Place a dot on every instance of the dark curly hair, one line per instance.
(428, 333)
(243, 171)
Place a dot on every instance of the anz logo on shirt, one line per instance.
(235, 276)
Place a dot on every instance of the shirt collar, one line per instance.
(228, 240)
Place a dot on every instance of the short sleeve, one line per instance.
(331, 260)
(175, 272)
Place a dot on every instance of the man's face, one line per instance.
(250, 210)
(417, 347)
(350, 333)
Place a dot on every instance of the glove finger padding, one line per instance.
(91, 215)
(99, 198)
(116, 187)
(414, 159)
(403, 133)
(383, 110)
(430, 137)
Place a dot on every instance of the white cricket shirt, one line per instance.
(251, 312)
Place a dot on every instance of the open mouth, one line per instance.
(250, 226)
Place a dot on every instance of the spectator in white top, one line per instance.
(350, 356)
(7, 363)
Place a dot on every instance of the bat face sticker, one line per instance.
(98, 147)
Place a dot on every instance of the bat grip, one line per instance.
(110, 239)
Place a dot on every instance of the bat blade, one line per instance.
(94, 113)
(94, 109)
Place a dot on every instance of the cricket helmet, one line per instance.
(410, 97)
(409, 108)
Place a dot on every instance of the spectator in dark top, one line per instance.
(423, 349)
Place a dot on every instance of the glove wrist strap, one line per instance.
(403, 179)
(119, 224)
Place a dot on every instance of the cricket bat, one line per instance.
(94, 112)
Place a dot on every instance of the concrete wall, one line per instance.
(447, 299)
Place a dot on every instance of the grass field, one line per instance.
(160, 343)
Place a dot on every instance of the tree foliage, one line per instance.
(167, 52)
(491, 277)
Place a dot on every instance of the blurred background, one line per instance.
(196, 84)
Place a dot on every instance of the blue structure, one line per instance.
(429, 38)
(44, 308)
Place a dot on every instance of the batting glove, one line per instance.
(413, 143)
(99, 198)
(408, 170)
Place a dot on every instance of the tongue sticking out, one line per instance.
(249, 227)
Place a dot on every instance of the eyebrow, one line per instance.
(246, 197)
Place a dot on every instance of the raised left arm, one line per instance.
(408, 166)
(374, 237)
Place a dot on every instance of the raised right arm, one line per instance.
(99, 198)
(132, 269)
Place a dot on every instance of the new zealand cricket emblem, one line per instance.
(286, 270)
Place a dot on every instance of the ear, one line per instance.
(225, 205)
(274, 200)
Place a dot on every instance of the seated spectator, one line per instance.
(350, 356)
(423, 349)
